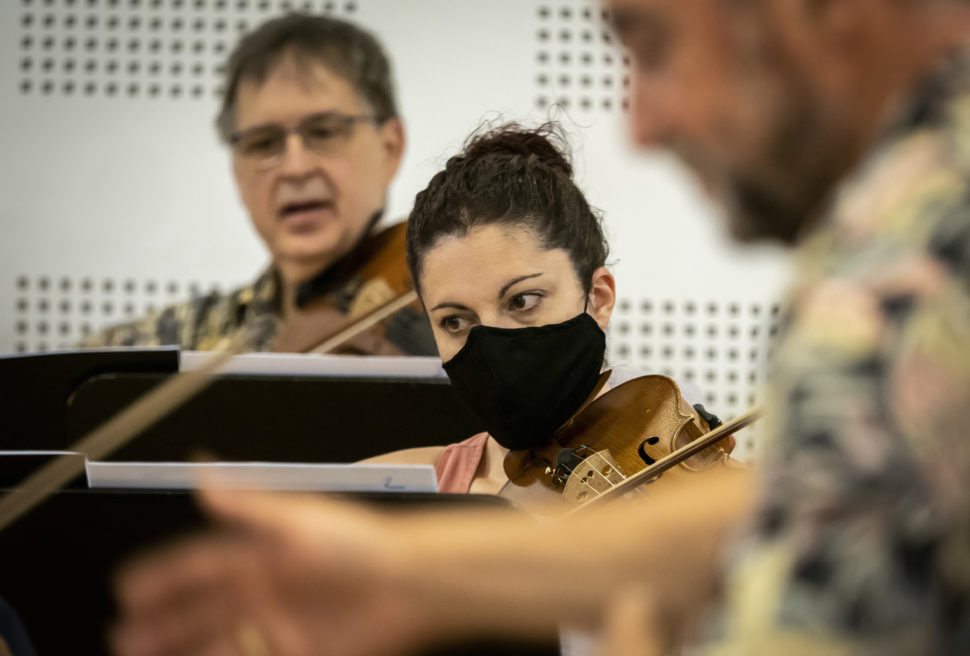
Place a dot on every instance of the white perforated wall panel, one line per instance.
(117, 197)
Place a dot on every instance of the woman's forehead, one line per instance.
(487, 256)
(494, 244)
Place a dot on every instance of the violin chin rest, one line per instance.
(525, 467)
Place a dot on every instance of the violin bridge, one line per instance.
(596, 474)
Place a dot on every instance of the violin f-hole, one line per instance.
(643, 452)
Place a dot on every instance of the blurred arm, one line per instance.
(317, 577)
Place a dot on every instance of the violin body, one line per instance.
(611, 438)
(371, 275)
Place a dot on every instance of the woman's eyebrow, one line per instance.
(448, 304)
(509, 284)
(501, 293)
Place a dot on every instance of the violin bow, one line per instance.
(365, 322)
(673, 459)
(151, 407)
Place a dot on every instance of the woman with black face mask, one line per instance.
(509, 261)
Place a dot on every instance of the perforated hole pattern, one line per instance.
(578, 67)
(722, 347)
(140, 48)
(58, 312)
(177, 48)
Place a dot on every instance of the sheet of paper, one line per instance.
(316, 364)
(264, 476)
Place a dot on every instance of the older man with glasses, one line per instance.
(310, 116)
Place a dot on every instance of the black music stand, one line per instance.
(35, 388)
(57, 562)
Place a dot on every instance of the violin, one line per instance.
(345, 309)
(634, 434)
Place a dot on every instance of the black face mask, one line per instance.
(523, 383)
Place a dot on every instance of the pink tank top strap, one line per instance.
(457, 464)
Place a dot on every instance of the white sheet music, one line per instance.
(264, 476)
(317, 364)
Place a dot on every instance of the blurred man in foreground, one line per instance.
(815, 126)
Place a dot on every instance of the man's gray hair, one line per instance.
(342, 47)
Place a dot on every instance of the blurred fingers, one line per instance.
(165, 577)
(630, 625)
(184, 599)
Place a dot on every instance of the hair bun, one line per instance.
(544, 144)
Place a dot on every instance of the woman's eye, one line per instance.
(524, 302)
(455, 324)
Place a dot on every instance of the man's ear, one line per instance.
(602, 296)
(393, 141)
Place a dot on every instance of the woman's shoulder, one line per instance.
(422, 455)
(458, 463)
(427, 455)
(475, 441)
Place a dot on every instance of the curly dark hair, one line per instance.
(342, 47)
(510, 176)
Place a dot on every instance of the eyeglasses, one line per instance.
(323, 134)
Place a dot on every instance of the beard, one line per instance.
(756, 213)
(806, 155)
(756, 209)
(781, 192)
(775, 174)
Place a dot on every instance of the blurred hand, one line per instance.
(630, 626)
(292, 577)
